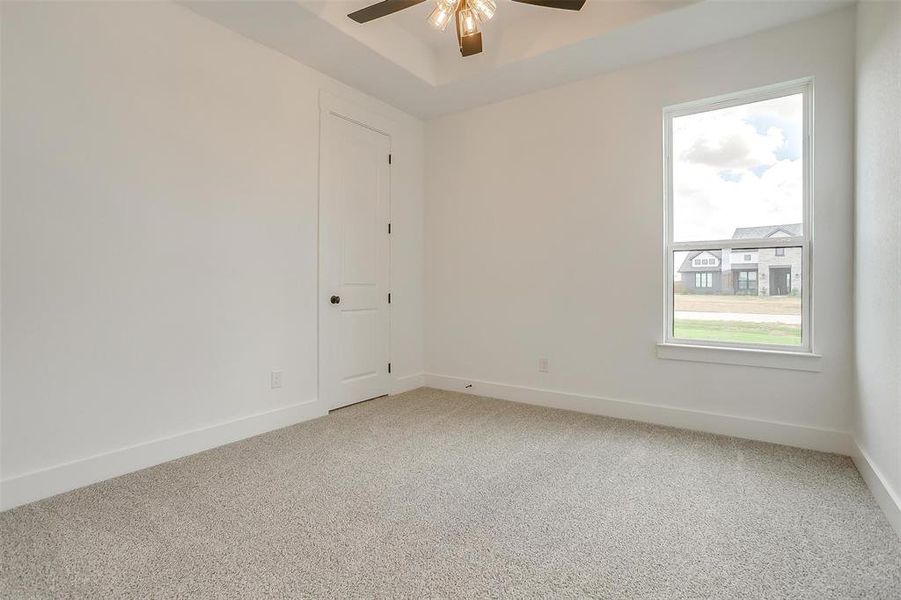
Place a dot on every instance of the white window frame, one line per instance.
(706, 351)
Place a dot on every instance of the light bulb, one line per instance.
(441, 16)
(483, 8)
(467, 22)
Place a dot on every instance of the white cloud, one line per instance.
(726, 173)
(726, 143)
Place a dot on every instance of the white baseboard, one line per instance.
(888, 500)
(825, 440)
(72, 475)
(406, 383)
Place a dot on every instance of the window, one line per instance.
(747, 281)
(737, 184)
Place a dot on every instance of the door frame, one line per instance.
(331, 104)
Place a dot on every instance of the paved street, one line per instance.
(744, 317)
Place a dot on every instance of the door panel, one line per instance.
(361, 328)
(353, 250)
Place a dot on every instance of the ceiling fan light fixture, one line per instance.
(467, 13)
(467, 22)
(484, 9)
(441, 16)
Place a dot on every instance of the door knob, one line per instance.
(336, 299)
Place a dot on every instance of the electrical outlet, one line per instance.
(275, 380)
(542, 365)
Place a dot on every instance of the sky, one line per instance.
(737, 167)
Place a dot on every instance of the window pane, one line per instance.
(740, 301)
(737, 172)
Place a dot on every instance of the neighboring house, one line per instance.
(702, 272)
(758, 272)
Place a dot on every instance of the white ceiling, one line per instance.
(403, 61)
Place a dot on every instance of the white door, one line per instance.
(353, 262)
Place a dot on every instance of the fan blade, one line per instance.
(471, 44)
(382, 9)
(564, 4)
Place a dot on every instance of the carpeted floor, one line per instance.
(436, 494)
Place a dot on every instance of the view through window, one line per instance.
(737, 244)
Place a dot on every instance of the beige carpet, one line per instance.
(436, 494)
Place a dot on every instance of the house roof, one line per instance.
(765, 231)
(741, 233)
(687, 267)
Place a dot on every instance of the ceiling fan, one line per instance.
(467, 13)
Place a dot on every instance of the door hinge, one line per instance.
(389, 367)
(389, 297)
(389, 228)
(389, 159)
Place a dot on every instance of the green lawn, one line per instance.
(737, 331)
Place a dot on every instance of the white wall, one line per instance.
(543, 239)
(877, 281)
(159, 245)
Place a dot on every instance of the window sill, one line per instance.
(747, 357)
